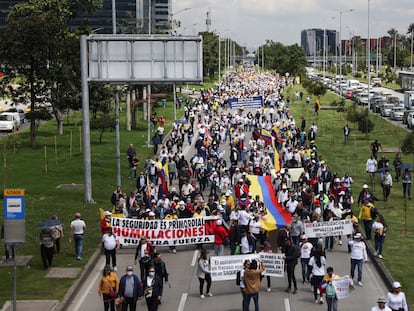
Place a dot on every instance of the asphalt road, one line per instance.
(182, 295)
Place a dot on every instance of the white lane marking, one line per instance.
(193, 262)
(182, 302)
(287, 305)
(87, 290)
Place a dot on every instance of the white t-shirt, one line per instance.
(305, 250)
(109, 241)
(78, 226)
(320, 271)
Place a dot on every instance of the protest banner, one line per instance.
(342, 287)
(328, 228)
(164, 232)
(225, 268)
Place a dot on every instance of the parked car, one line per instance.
(19, 111)
(376, 107)
(9, 121)
(376, 82)
(397, 113)
(410, 120)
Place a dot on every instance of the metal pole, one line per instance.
(395, 50)
(324, 52)
(149, 16)
(85, 122)
(117, 132)
(175, 101)
(219, 62)
(340, 53)
(369, 60)
(14, 278)
(149, 115)
(411, 55)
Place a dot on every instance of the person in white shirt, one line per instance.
(370, 167)
(317, 263)
(358, 256)
(305, 252)
(110, 244)
(396, 300)
(77, 229)
(291, 205)
(282, 196)
(381, 305)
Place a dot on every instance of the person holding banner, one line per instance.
(203, 273)
(251, 279)
(331, 297)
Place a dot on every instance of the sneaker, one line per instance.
(380, 256)
(170, 251)
(115, 268)
(269, 289)
(316, 301)
(321, 301)
(78, 258)
(287, 290)
(340, 242)
(360, 284)
(375, 253)
(202, 296)
(294, 291)
(209, 294)
(174, 251)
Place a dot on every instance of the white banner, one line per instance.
(342, 287)
(164, 232)
(328, 228)
(225, 268)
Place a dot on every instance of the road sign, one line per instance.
(13, 204)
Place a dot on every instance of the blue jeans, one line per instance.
(379, 241)
(255, 299)
(354, 263)
(78, 244)
(332, 303)
(304, 263)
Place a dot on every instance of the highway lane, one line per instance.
(183, 293)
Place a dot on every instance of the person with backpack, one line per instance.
(330, 291)
(292, 253)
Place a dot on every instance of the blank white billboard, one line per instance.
(144, 59)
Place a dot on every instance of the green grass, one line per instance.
(26, 168)
(351, 158)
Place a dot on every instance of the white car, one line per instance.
(9, 121)
(397, 113)
(410, 120)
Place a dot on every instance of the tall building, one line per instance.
(312, 41)
(130, 15)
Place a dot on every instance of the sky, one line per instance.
(251, 22)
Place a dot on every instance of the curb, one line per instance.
(73, 290)
(385, 275)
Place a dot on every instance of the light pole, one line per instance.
(340, 48)
(171, 18)
(369, 61)
(411, 54)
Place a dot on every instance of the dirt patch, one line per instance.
(63, 273)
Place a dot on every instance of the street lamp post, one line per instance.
(369, 60)
(340, 48)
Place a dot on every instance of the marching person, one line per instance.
(292, 253)
(153, 288)
(145, 253)
(110, 244)
(358, 256)
(396, 300)
(381, 305)
(251, 279)
(108, 288)
(203, 273)
(130, 290)
(47, 247)
(77, 229)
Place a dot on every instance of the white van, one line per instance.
(353, 84)
(9, 121)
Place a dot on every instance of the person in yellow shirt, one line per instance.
(365, 213)
(108, 288)
(229, 200)
(331, 298)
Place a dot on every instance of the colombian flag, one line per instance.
(163, 176)
(266, 136)
(277, 216)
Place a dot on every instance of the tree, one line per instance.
(37, 50)
(314, 88)
(101, 124)
(210, 53)
(408, 144)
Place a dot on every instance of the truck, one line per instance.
(353, 84)
(409, 100)
(9, 121)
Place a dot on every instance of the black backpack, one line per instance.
(238, 277)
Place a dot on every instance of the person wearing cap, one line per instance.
(203, 274)
(358, 256)
(241, 189)
(130, 290)
(77, 230)
(396, 299)
(144, 253)
(366, 193)
(305, 254)
(106, 222)
(381, 305)
(108, 288)
(221, 238)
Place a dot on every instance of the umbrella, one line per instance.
(405, 166)
(49, 223)
(182, 121)
(382, 170)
